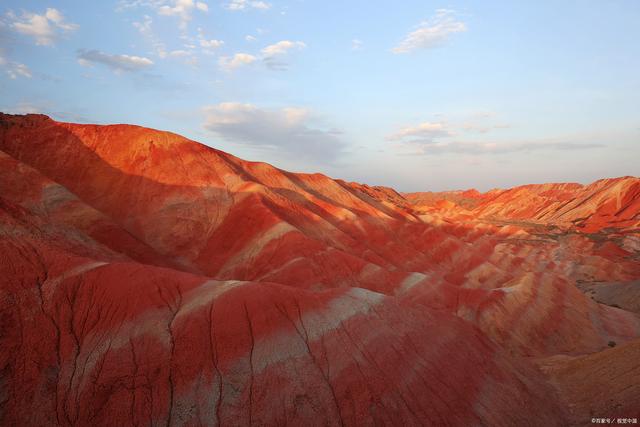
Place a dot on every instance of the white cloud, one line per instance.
(144, 27)
(282, 47)
(356, 44)
(237, 60)
(57, 18)
(288, 130)
(131, 4)
(211, 44)
(247, 4)
(186, 52)
(14, 69)
(45, 28)
(424, 131)
(272, 55)
(250, 38)
(183, 9)
(208, 45)
(178, 53)
(146, 30)
(431, 33)
(118, 63)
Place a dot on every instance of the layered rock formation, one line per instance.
(149, 279)
(607, 203)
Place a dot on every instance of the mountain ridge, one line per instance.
(159, 280)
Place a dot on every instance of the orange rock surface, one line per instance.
(606, 203)
(149, 279)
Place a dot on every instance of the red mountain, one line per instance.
(149, 279)
(607, 203)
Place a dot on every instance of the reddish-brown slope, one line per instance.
(89, 342)
(604, 384)
(607, 203)
(604, 203)
(156, 206)
(53, 206)
(467, 199)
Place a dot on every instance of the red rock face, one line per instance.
(607, 203)
(149, 279)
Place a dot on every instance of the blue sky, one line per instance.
(417, 95)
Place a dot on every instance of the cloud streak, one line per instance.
(237, 5)
(118, 63)
(426, 131)
(274, 55)
(288, 130)
(430, 147)
(432, 138)
(14, 69)
(431, 33)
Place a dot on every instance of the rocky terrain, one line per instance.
(147, 279)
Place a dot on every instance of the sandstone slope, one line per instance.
(150, 279)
